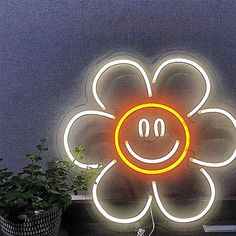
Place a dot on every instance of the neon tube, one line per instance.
(104, 213)
(233, 156)
(148, 171)
(215, 165)
(67, 130)
(156, 128)
(114, 63)
(195, 65)
(220, 111)
(147, 127)
(190, 219)
(158, 160)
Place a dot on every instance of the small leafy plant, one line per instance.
(4, 182)
(34, 189)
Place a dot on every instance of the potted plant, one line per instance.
(31, 201)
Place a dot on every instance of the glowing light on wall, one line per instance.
(144, 131)
(67, 130)
(196, 66)
(162, 127)
(190, 219)
(220, 111)
(215, 165)
(114, 63)
(147, 127)
(147, 171)
(233, 156)
(151, 160)
(108, 216)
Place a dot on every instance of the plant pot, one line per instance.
(45, 223)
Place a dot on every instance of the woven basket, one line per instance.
(46, 223)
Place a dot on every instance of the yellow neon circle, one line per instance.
(151, 105)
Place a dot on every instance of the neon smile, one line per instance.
(149, 160)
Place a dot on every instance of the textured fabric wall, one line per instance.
(47, 46)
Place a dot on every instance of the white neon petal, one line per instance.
(233, 156)
(140, 127)
(67, 130)
(195, 65)
(158, 160)
(190, 219)
(221, 111)
(215, 165)
(104, 213)
(119, 62)
(162, 127)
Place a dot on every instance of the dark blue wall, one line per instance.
(47, 46)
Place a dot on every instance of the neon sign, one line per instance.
(130, 156)
(157, 171)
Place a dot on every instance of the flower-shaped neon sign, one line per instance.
(159, 165)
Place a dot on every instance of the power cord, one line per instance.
(141, 232)
(153, 222)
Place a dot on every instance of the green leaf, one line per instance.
(32, 167)
(53, 191)
(39, 147)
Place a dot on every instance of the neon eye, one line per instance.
(143, 124)
(159, 124)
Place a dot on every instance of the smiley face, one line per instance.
(131, 157)
(158, 123)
